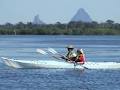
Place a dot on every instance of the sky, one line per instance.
(52, 11)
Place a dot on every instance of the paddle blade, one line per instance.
(41, 51)
(52, 51)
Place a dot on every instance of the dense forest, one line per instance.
(72, 28)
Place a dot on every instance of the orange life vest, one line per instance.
(81, 59)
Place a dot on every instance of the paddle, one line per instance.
(41, 51)
(45, 53)
(53, 51)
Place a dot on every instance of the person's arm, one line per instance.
(76, 59)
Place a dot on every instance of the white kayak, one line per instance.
(38, 64)
(58, 64)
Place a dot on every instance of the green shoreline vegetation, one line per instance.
(72, 28)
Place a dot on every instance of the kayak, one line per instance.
(38, 64)
(58, 64)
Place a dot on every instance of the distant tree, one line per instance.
(29, 25)
(20, 25)
(58, 23)
(94, 24)
(8, 25)
(110, 22)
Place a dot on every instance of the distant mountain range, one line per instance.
(37, 20)
(81, 15)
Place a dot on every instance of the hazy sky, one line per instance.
(51, 11)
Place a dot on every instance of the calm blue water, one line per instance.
(96, 48)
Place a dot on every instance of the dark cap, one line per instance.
(80, 50)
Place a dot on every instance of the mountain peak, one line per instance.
(37, 20)
(81, 15)
(81, 9)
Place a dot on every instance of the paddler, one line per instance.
(80, 58)
(71, 55)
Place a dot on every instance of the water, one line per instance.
(97, 48)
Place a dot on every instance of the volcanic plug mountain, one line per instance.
(37, 20)
(81, 15)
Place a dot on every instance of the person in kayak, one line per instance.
(71, 55)
(80, 58)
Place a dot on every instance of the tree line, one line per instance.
(72, 28)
